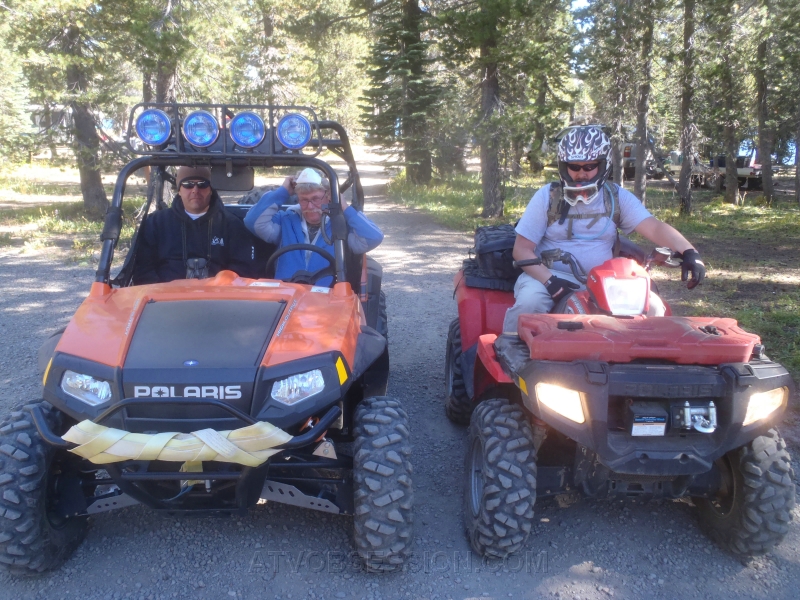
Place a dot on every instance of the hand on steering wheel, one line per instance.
(303, 276)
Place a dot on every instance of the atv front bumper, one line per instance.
(228, 487)
(611, 395)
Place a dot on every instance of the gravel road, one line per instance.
(580, 548)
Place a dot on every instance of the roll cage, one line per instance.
(225, 155)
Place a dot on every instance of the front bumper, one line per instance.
(608, 390)
(229, 487)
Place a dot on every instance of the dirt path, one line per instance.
(580, 548)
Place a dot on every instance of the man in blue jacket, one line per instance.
(301, 223)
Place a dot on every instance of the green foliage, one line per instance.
(16, 131)
(457, 202)
(402, 97)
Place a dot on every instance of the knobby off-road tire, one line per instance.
(752, 512)
(500, 479)
(383, 492)
(32, 538)
(458, 405)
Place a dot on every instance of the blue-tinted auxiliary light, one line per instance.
(201, 129)
(247, 129)
(294, 131)
(153, 127)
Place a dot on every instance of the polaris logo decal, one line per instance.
(217, 392)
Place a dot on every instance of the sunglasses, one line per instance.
(202, 185)
(584, 168)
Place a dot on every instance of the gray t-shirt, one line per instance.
(591, 244)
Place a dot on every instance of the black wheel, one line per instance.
(500, 479)
(382, 484)
(753, 508)
(33, 538)
(458, 405)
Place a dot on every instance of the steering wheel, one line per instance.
(303, 276)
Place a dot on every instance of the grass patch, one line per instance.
(779, 327)
(457, 203)
(40, 226)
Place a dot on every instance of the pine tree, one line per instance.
(402, 96)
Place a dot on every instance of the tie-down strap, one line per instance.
(249, 446)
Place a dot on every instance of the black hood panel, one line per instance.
(218, 334)
(198, 348)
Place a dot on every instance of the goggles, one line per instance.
(584, 193)
(201, 185)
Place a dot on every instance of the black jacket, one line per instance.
(218, 236)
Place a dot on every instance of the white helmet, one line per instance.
(587, 143)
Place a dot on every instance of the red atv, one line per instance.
(600, 398)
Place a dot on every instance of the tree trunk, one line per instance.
(687, 112)
(797, 161)
(643, 104)
(490, 160)
(517, 151)
(166, 76)
(535, 155)
(147, 86)
(85, 142)
(764, 130)
(419, 164)
(617, 142)
(731, 175)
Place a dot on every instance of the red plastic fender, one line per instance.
(488, 371)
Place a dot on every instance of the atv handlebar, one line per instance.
(548, 257)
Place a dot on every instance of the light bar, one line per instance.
(201, 129)
(294, 131)
(153, 127)
(247, 129)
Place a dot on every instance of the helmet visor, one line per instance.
(581, 193)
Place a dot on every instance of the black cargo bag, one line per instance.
(474, 279)
(493, 249)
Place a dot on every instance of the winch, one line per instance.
(699, 418)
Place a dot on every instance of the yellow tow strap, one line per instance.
(250, 446)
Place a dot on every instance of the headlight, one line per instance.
(85, 388)
(153, 127)
(294, 131)
(201, 129)
(763, 404)
(562, 400)
(293, 389)
(247, 130)
(626, 296)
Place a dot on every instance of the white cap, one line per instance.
(309, 175)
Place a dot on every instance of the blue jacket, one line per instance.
(284, 227)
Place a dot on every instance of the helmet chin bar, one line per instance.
(584, 193)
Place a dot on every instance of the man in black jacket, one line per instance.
(197, 226)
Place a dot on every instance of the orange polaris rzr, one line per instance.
(216, 394)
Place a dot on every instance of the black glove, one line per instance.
(558, 288)
(692, 264)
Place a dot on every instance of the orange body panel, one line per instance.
(314, 322)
